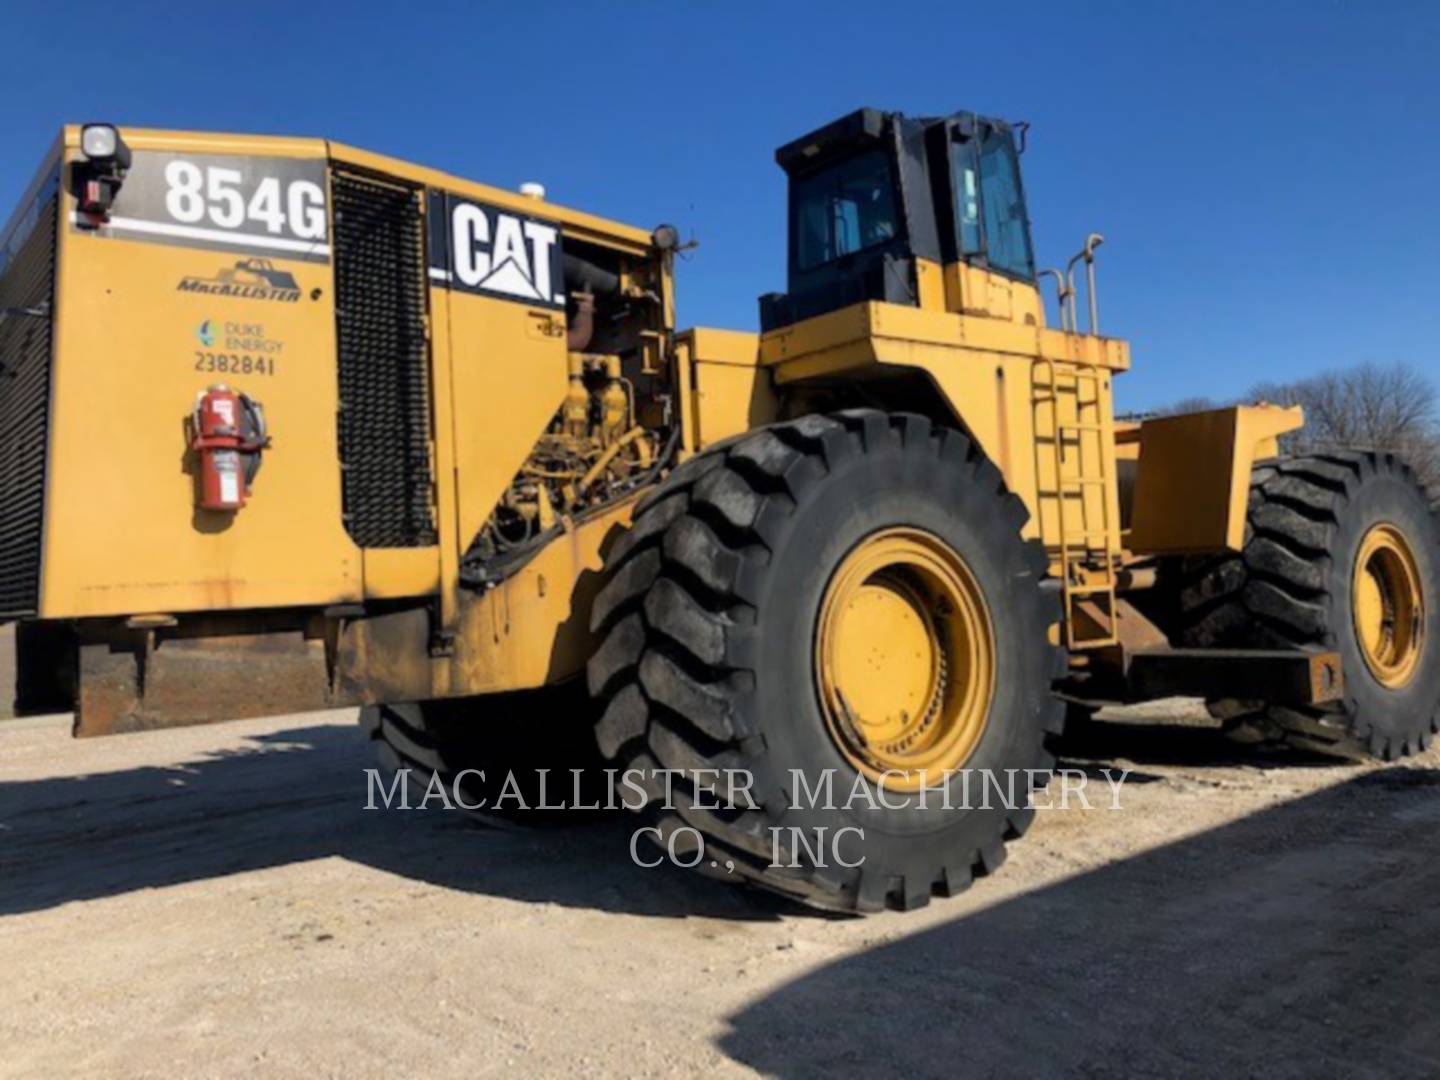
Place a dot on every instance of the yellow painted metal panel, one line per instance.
(930, 285)
(910, 324)
(730, 393)
(711, 346)
(1193, 485)
(533, 628)
(972, 290)
(731, 400)
(392, 573)
(122, 533)
(507, 378)
(984, 368)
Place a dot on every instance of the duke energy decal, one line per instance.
(483, 249)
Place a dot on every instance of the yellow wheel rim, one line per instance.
(1389, 607)
(905, 659)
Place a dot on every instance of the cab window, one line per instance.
(1007, 240)
(843, 209)
(967, 196)
(989, 207)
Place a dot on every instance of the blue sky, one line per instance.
(1267, 175)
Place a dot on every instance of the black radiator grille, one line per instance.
(27, 288)
(380, 294)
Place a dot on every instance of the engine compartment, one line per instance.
(617, 425)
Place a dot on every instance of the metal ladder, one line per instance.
(1082, 575)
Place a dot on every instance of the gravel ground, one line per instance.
(216, 901)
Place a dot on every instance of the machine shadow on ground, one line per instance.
(300, 794)
(1299, 941)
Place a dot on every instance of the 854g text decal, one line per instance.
(256, 205)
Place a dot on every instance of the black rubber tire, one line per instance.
(1291, 588)
(709, 616)
(514, 735)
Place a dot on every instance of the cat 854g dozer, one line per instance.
(288, 425)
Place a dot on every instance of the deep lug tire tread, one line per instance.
(675, 668)
(1280, 593)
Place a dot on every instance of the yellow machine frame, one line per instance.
(124, 551)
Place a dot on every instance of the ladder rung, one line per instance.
(1079, 548)
(1075, 371)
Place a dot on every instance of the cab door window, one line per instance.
(1007, 237)
(989, 205)
(967, 196)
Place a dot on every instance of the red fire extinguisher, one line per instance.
(227, 434)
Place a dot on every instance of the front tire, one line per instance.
(1343, 554)
(722, 650)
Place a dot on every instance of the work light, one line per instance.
(97, 179)
(102, 144)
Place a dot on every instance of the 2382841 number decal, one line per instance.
(221, 196)
(234, 363)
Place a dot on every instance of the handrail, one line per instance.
(1061, 292)
(1093, 241)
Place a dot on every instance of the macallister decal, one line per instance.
(478, 248)
(246, 279)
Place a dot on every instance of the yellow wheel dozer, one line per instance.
(286, 425)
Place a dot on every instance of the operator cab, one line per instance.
(879, 201)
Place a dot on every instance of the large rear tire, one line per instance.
(838, 596)
(521, 758)
(1342, 553)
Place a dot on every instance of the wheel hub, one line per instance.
(1389, 607)
(905, 658)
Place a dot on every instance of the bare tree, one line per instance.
(1189, 405)
(1391, 407)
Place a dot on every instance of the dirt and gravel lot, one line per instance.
(216, 901)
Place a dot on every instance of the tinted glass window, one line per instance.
(844, 209)
(967, 195)
(1007, 241)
